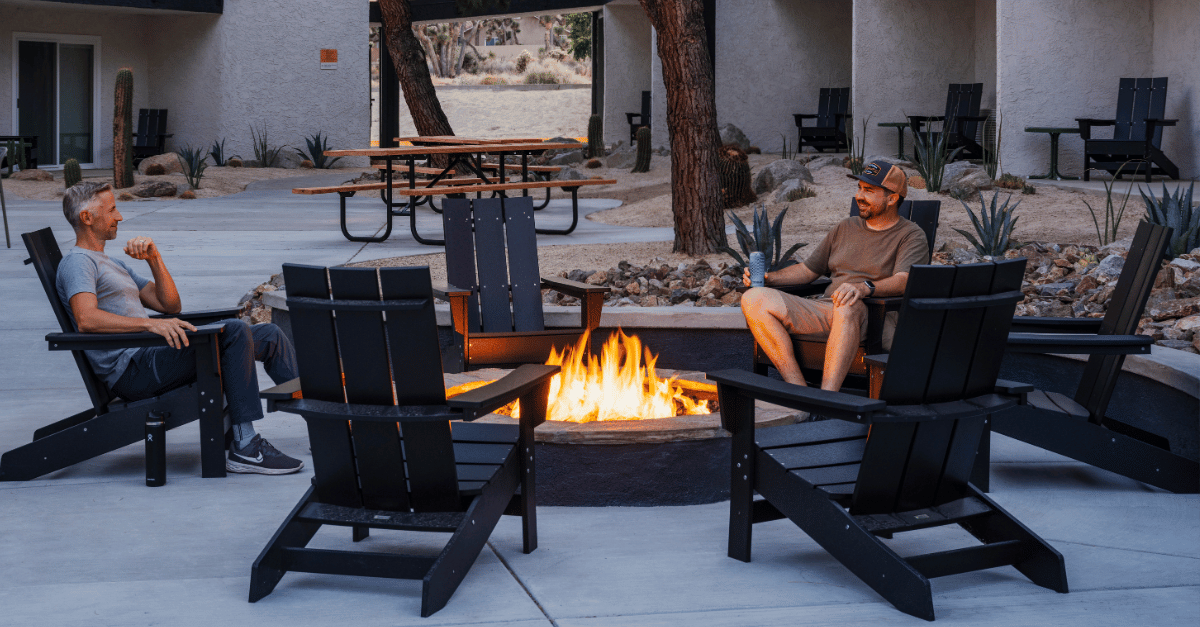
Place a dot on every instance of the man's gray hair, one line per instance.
(79, 197)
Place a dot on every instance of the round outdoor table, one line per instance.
(1054, 133)
(899, 126)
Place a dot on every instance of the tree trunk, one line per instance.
(691, 123)
(412, 70)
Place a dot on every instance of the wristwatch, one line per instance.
(870, 286)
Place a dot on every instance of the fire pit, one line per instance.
(607, 442)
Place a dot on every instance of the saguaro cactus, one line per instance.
(123, 130)
(643, 151)
(595, 137)
(71, 173)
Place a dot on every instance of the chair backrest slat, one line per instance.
(1158, 106)
(367, 378)
(459, 227)
(825, 104)
(46, 255)
(523, 271)
(494, 308)
(143, 129)
(1133, 289)
(509, 283)
(645, 108)
(963, 100)
(943, 353)
(335, 479)
(923, 213)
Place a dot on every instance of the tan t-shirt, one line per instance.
(851, 252)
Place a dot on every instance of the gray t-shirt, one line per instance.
(116, 287)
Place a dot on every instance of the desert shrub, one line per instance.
(801, 192)
(541, 78)
(1010, 181)
(155, 169)
(523, 62)
(493, 80)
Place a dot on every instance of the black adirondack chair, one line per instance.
(495, 291)
(810, 350)
(111, 423)
(27, 143)
(899, 461)
(1137, 133)
(151, 138)
(829, 128)
(384, 452)
(638, 120)
(3, 205)
(1078, 427)
(960, 122)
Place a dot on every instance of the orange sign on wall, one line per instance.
(329, 58)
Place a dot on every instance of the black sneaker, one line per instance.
(261, 458)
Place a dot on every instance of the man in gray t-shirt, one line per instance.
(104, 295)
(867, 255)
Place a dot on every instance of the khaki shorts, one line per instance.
(811, 319)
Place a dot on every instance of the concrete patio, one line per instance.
(91, 545)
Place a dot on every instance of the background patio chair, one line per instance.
(495, 290)
(640, 119)
(810, 351)
(1078, 427)
(111, 422)
(960, 122)
(1137, 132)
(900, 463)
(151, 137)
(384, 455)
(3, 206)
(829, 127)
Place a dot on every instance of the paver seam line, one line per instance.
(521, 583)
(1117, 548)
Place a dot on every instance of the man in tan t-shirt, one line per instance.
(866, 255)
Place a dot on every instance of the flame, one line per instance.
(615, 386)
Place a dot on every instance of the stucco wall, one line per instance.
(627, 54)
(1176, 47)
(259, 64)
(773, 57)
(905, 53)
(985, 51)
(1062, 60)
(122, 44)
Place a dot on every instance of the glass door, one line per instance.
(56, 96)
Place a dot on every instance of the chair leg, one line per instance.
(465, 545)
(1103, 448)
(1042, 564)
(839, 533)
(361, 533)
(981, 473)
(269, 568)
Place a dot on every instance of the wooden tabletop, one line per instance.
(1052, 129)
(408, 151)
(454, 139)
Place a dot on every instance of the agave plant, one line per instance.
(993, 227)
(1178, 213)
(932, 157)
(765, 238)
(217, 152)
(193, 164)
(317, 145)
(264, 152)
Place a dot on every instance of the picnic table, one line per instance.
(469, 156)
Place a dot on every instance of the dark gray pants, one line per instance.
(155, 371)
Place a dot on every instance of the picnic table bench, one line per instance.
(469, 156)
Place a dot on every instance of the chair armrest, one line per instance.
(329, 410)
(1014, 388)
(446, 291)
(808, 289)
(630, 116)
(832, 404)
(1079, 344)
(1161, 122)
(972, 118)
(286, 391)
(113, 341)
(1031, 324)
(207, 316)
(804, 116)
(917, 121)
(1086, 124)
(573, 288)
(497, 394)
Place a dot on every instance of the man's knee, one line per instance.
(852, 316)
(267, 332)
(759, 302)
(234, 331)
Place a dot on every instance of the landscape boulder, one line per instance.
(787, 187)
(775, 173)
(731, 134)
(968, 185)
(622, 157)
(33, 175)
(154, 189)
(168, 160)
(568, 157)
(569, 174)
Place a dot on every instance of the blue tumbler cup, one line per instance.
(758, 269)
